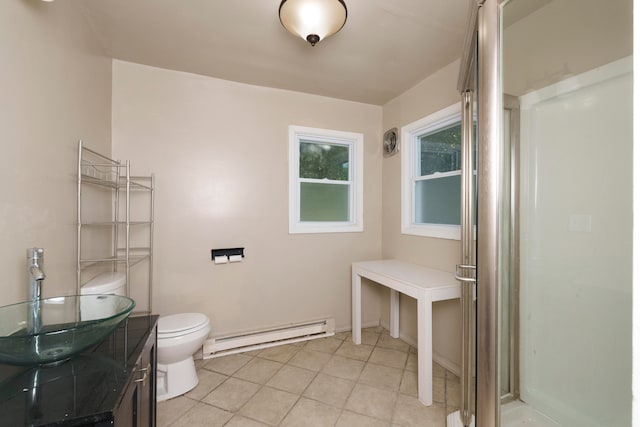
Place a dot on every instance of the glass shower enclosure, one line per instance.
(549, 315)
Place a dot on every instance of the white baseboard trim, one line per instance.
(269, 337)
(370, 324)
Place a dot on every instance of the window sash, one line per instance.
(322, 141)
(332, 143)
(437, 175)
(444, 202)
(353, 142)
(411, 173)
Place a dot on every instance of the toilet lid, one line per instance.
(105, 283)
(181, 322)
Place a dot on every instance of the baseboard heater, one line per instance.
(216, 347)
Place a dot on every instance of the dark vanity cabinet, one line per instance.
(113, 384)
(138, 404)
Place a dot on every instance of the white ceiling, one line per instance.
(385, 48)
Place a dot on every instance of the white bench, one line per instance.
(424, 284)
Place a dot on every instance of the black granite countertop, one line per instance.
(83, 390)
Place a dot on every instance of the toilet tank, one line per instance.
(111, 282)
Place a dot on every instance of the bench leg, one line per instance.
(356, 308)
(394, 313)
(425, 374)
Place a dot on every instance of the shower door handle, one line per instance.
(466, 273)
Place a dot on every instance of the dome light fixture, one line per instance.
(313, 20)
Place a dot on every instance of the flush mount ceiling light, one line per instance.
(313, 20)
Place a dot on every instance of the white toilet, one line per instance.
(179, 336)
(111, 283)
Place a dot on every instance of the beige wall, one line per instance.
(535, 59)
(219, 152)
(432, 94)
(214, 189)
(56, 89)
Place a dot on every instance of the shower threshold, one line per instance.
(513, 414)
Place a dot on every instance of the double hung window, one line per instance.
(431, 175)
(325, 181)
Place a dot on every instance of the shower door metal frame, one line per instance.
(466, 271)
(481, 72)
(490, 115)
(512, 104)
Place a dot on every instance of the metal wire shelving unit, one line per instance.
(114, 176)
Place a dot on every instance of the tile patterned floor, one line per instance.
(323, 382)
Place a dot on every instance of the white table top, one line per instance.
(410, 278)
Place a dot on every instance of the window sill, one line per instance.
(449, 232)
(312, 228)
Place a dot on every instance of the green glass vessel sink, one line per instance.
(51, 331)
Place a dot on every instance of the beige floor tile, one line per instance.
(351, 419)
(330, 390)
(368, 338)
(387, 357)
(397, 344)
(381, 376)
(258, 370)
(207, 381)
(375, 329)
(227, 365)
(353, 351)
(438, 371)
(412, 362)
(325, 345)
(279, 353)
(269, 405)
(312, 387)
(371, 401)
(453, 394)
(240, 421)
(342, 335)
(439, 389)
(232, 394)
(203, 415)
(170, 410)
(410, 412)
(342, 367)
(199, 363)
(311, 413)
(409, 384)
(291, 379)
(312, 360)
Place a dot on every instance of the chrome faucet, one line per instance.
(35, 271)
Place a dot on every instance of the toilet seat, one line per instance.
(177, 325)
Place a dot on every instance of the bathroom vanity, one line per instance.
(112, 384)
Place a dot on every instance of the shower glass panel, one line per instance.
(568, 63)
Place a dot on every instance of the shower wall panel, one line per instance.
(576, 224)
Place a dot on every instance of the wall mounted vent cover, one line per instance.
(390, 142)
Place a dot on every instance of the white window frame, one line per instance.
(355, 143)
(410, 160)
